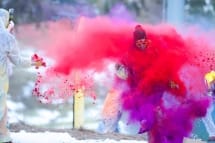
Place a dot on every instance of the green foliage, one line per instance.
(196, 12)
(197, 7)
(30, 11)
(25, 10)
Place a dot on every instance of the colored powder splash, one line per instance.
(69, 46)
(72, 54)
(165, 88)
(156, 71)
(55, 88)
(202, 50)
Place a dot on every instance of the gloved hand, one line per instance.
(10, 26)
(37, 61)
(121, 71)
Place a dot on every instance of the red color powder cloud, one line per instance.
(160, 91)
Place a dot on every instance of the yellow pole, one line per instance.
(78, 106)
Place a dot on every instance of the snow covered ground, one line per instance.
(51, 137)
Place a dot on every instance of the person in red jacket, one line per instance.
(112, 112)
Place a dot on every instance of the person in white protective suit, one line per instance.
(9, 55)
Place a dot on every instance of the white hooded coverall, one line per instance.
(9, 54)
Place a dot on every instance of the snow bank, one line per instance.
(51, 137)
